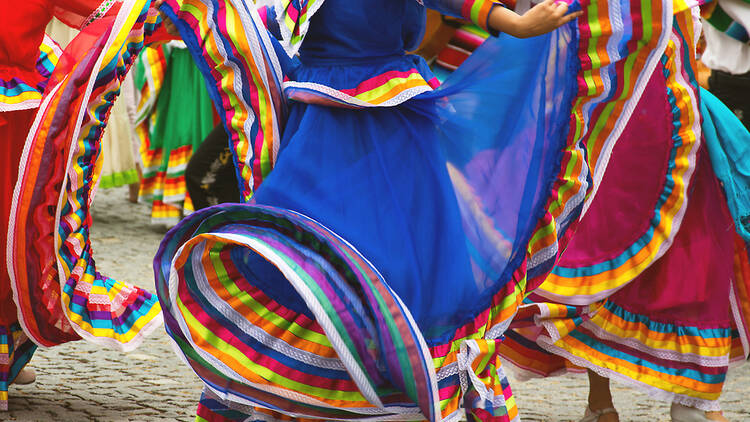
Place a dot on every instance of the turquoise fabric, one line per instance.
(728, 145)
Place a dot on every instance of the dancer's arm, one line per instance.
(495, 17)
(543, 18)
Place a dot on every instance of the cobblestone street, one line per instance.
(81, 382)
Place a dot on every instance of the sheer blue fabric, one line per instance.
(443, 192)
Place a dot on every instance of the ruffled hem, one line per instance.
(313, 339)
(681, 363)
(580, 279)
(600, 113)
(21, 89)
(16, 351)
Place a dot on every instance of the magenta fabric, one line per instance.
(690, 284)
(628, 193)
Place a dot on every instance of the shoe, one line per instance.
(682, 413)
(594, 415)
(26, 376)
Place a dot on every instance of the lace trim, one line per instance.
(737, 315)
(335, 94)
(98, 12)
(654, 392)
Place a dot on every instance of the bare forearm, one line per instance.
(505, 20)
(542, 18)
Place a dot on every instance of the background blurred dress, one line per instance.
(173, 116)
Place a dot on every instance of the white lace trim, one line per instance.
(656, 393)
(402, 97)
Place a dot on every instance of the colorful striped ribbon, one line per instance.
(717, 17)
(621, 43)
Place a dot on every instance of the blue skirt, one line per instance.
(381, 237)
(378, 179)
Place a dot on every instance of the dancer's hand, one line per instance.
(543, 18)
(169, 26)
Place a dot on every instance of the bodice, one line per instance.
(363, 30)
(355, 53)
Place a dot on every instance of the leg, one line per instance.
(600, 398)
(209, 175)
(135, 188)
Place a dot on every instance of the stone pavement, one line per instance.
(81, 382)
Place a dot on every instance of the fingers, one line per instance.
(561, 8)
(571, 17)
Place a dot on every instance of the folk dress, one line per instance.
(391, 224)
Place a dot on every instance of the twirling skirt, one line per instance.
(374, 272)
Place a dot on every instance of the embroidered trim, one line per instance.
(98, 12)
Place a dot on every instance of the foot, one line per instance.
(607, 414)
(601, 408)
(716, 416)
(26, 376)
(682, 413)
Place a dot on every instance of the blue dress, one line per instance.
(389, 246)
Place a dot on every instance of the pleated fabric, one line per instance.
(373, 274)
(59, 294)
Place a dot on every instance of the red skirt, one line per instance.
(16, 348)
(14, 127)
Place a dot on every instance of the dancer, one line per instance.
(174, 115)
(38, 305)
(374, 270)
(651, 287)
